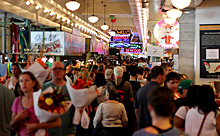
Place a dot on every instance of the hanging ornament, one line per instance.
(112, 16)
(113, 20)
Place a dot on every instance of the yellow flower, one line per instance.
(49, 101)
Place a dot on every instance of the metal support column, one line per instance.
(4, 19)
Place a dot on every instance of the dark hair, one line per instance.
(134, 71)
(162, 100)
(129, 68)
(140, 70)
(15, 64)
(172, 76)
(206, 100)
(112, 94)
(192, 96)
(156, 71)
(33, 78)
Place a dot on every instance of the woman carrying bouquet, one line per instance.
(24, 120)
(112, 115)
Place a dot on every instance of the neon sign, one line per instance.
(122, 36)
(130, 50)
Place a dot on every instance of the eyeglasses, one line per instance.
(58, 69)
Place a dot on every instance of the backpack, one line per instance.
(121, 94)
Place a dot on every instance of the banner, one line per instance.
(154, 51)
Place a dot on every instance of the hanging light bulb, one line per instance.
(169, 21)
(28, 3)
(52, 13)
(46, 10)
(174, 13)
(93, 18)
(72, 5)
(58, 17)
(181, 3)
(104, 26)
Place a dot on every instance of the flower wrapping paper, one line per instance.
(39, 71)
(82, 98)
(43, 115)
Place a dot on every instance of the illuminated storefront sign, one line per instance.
(122, 36)
(130, 50)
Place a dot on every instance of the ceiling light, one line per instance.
(93, 18)
(37, 7)
(63, 19)
(169, 21)
(68, 21)
(104, 27)
(72, 24)
(46, 10)
(52, 13)
(58, 17)
(181, 3)
(174, 13)
(28, 2)
(72, 5)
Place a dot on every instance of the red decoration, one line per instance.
(113, 20)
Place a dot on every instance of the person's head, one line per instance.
(140, 70)
(15, 69)
(172, 81)
(158, 74)
(161, 102)
(167, 67)
(206, 99)
(69, 69)
(184, 86)
(108, 74)
(192, 96)
(28, 83)
(101, 68)
(58, 71)
(112, 93)
(134, 71)
(118, 72)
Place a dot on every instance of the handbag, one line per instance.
(99, 130)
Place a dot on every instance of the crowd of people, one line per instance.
(137, 100)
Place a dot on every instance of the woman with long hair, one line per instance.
(202, 119)
(11, 82)
(24, 120)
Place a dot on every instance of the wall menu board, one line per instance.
(209, 50)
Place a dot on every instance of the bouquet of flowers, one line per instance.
(82, 93)
(49, 105)
(39, 70)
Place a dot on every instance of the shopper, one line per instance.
(158, 76)
(24, 120)
(161, 104)
(67, 128)
(112, 115)
(11, 82)
(202, 119)
(7, 97)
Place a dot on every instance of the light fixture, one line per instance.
(169, 21)
(174, 13)
(28, 2)
(46, 10)
(72, 5)
(181, 3)
(104, 26)
(63, 19)
(58, 17)
(52, 13)
(93, 18)
(37, 7)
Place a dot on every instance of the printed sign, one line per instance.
(155, 51)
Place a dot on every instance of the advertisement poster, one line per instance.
(54, 42)
(209, 51)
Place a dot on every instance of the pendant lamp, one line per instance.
(104, 26)
(181, 4)
(72, 5)
(93, 18)
(174, 13)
